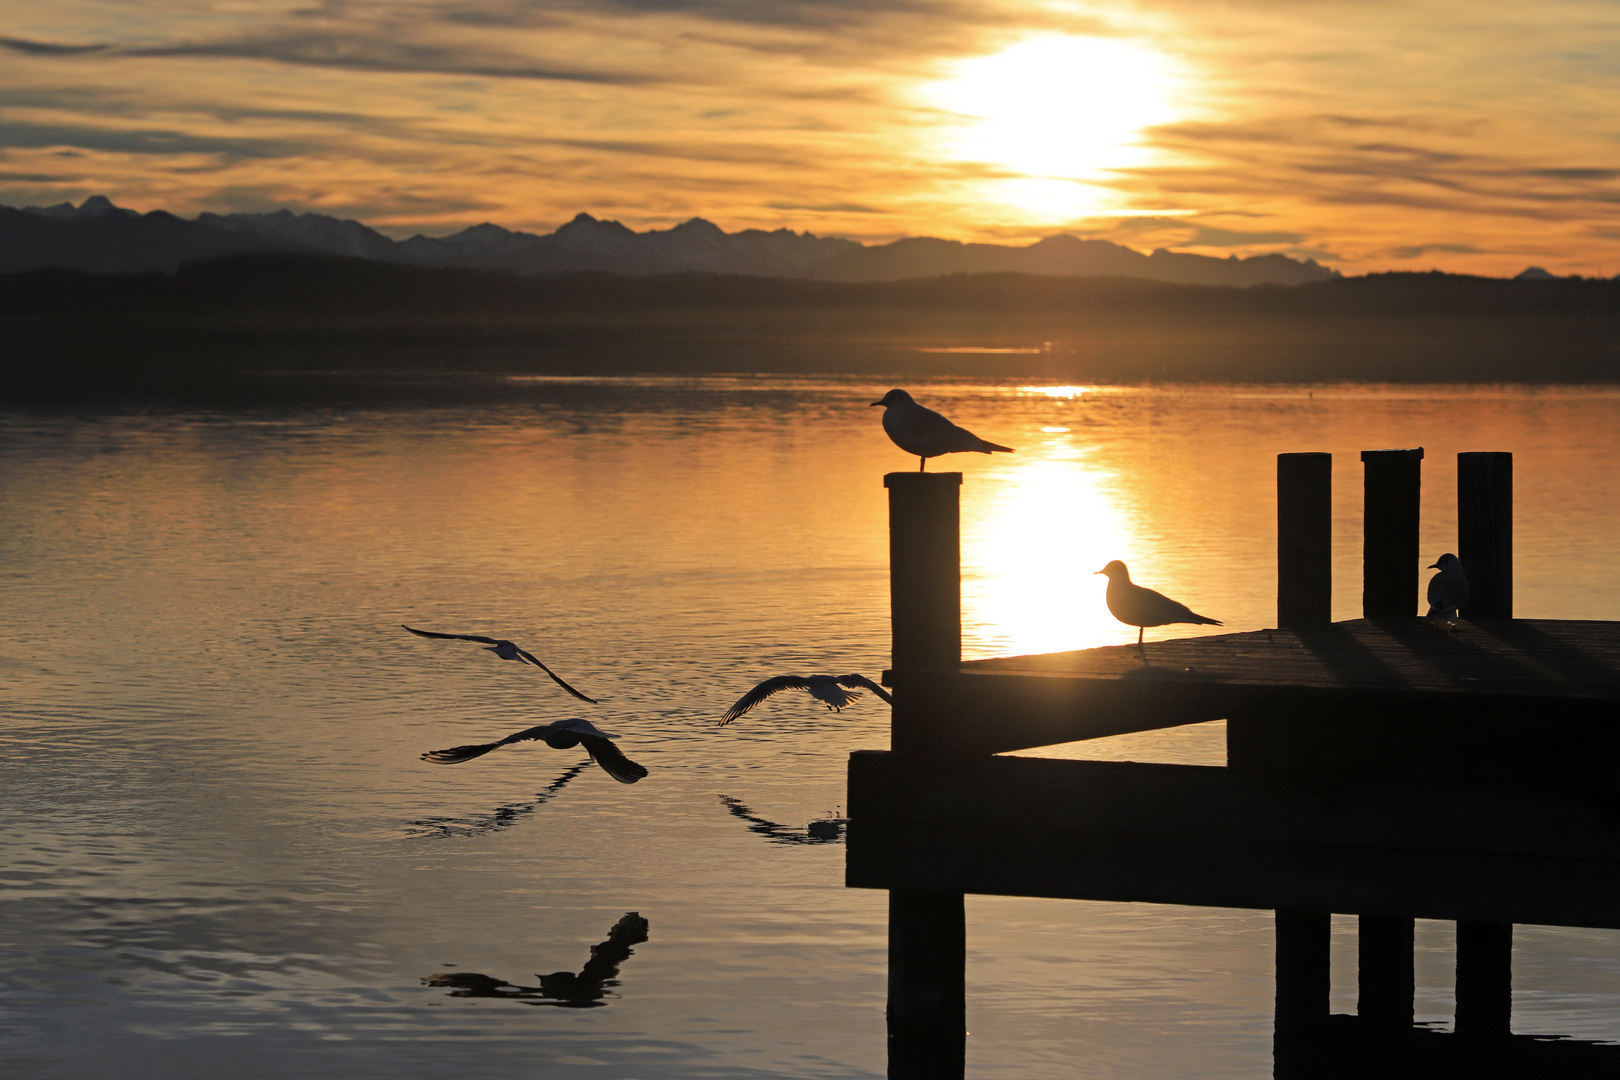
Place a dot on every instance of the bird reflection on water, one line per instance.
(565, 989)
(822, 831)
(502, 816)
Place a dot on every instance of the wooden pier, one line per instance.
(1384, 767)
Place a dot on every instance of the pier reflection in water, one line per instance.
(586, 989)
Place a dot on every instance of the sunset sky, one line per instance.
(1477, 137)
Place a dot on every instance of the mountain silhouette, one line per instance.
(101, 237)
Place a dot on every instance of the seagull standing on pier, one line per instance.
(1135, 606)
(926, 433)
(560, 735)
(1448, 590)
(834, 691)
(506, 650)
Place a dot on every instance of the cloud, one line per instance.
(45, 48)
(1418, 250)
(20, 135)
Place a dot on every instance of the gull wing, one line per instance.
(531, 658)
(612, 760)
(457, 754)
(455, 637)
(763, 691)
(861, 682)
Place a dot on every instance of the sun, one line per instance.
(1056, 111)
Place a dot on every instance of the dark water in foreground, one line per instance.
(224, 857)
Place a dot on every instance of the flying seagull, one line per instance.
(834, 691)
(560, 735)
(1448, 590)
(924, 432)
(1135, 606)
(506, 650)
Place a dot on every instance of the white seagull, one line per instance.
(560, 735)
(1448, 590)
(506, 650)
(924, 432)
(1135, 606)
(834, 691)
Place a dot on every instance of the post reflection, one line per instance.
(586, 989)
(828, 830)
(502, 816)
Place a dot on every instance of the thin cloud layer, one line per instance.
(1472, 137)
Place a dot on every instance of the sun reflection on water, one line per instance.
(1053, 520)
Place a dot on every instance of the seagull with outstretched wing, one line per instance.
(559, 735)
(506, 650)
(834, 691)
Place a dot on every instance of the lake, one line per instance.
(224, 856)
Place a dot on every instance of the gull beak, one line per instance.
(875, 403)
(1433, 566)
(1094, 573)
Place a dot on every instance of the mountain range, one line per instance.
(100, 237)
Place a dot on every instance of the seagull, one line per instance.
(1448, 590)
(560, 735)
(506, 650)
(835, 691)
(924, 432)
(1135, 606)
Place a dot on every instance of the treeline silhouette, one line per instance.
(221, 324)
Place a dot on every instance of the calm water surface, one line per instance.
(224, 857)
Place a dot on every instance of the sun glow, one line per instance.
(1058, 113)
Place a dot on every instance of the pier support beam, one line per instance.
(925, 569)
(1390, 563)
(1304, 983)
(1485, 533)
(927, 985)
(1386, 980)
(1304, 540)
(1484, 979)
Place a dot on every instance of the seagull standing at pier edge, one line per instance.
(1135, 606)
(1448, 590)
(924, 432)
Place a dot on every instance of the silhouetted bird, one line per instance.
(1448, 590)
(560, 735)
(506, 650)
(834, 691)
(1135, 606)
(926, 433)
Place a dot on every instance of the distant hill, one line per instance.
(100, 237)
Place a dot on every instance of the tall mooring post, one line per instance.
(927, 1015)
(1304, 540)
(1389, 562)
(1485, 532)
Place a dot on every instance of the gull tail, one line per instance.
(986, 446)
(457, 754)
(1203, 620)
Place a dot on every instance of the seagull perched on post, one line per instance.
(559, 735)
(924, 432)
(1135, 606)
(834, 691)
(506, 650)
(1448, 590)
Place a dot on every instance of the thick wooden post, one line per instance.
(927, 986)
(925, 569)
(1390, 564)
(1386, 980)
(1304, 539)
(1304, 984)
(1484, 979)
(1485, 533)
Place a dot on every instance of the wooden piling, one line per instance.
(1485, 532)
(927, 985)
(1304, 975)
(1304, 540)
(1484, 979)
(925, 571)
(1385, 978)
(1390, 559)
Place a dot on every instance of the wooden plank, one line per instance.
(1205, 802)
